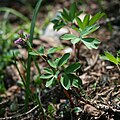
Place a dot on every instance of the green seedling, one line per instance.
(116, 60)
(60, 70)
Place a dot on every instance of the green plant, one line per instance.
(24, 38)
(116, 60)
(60, 70)
(70, 18)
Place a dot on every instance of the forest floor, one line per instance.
(100, 98)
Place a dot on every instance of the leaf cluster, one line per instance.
(67, 76)
(84, 28)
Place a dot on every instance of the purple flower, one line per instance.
(20, 32)
(20, 41)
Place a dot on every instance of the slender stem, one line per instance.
(19, 72)
(29, 56)
(38, 99)
(24, 83)
(36, 64)
(118, 68)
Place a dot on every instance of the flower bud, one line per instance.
(20, 32)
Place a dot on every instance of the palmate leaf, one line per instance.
(91, 42)
(88, 30)
(51, 76)
(57, 18)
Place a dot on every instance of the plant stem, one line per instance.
(118, 68)
(19, 72)
(29, 56)
(36, 64)
(40, 105)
